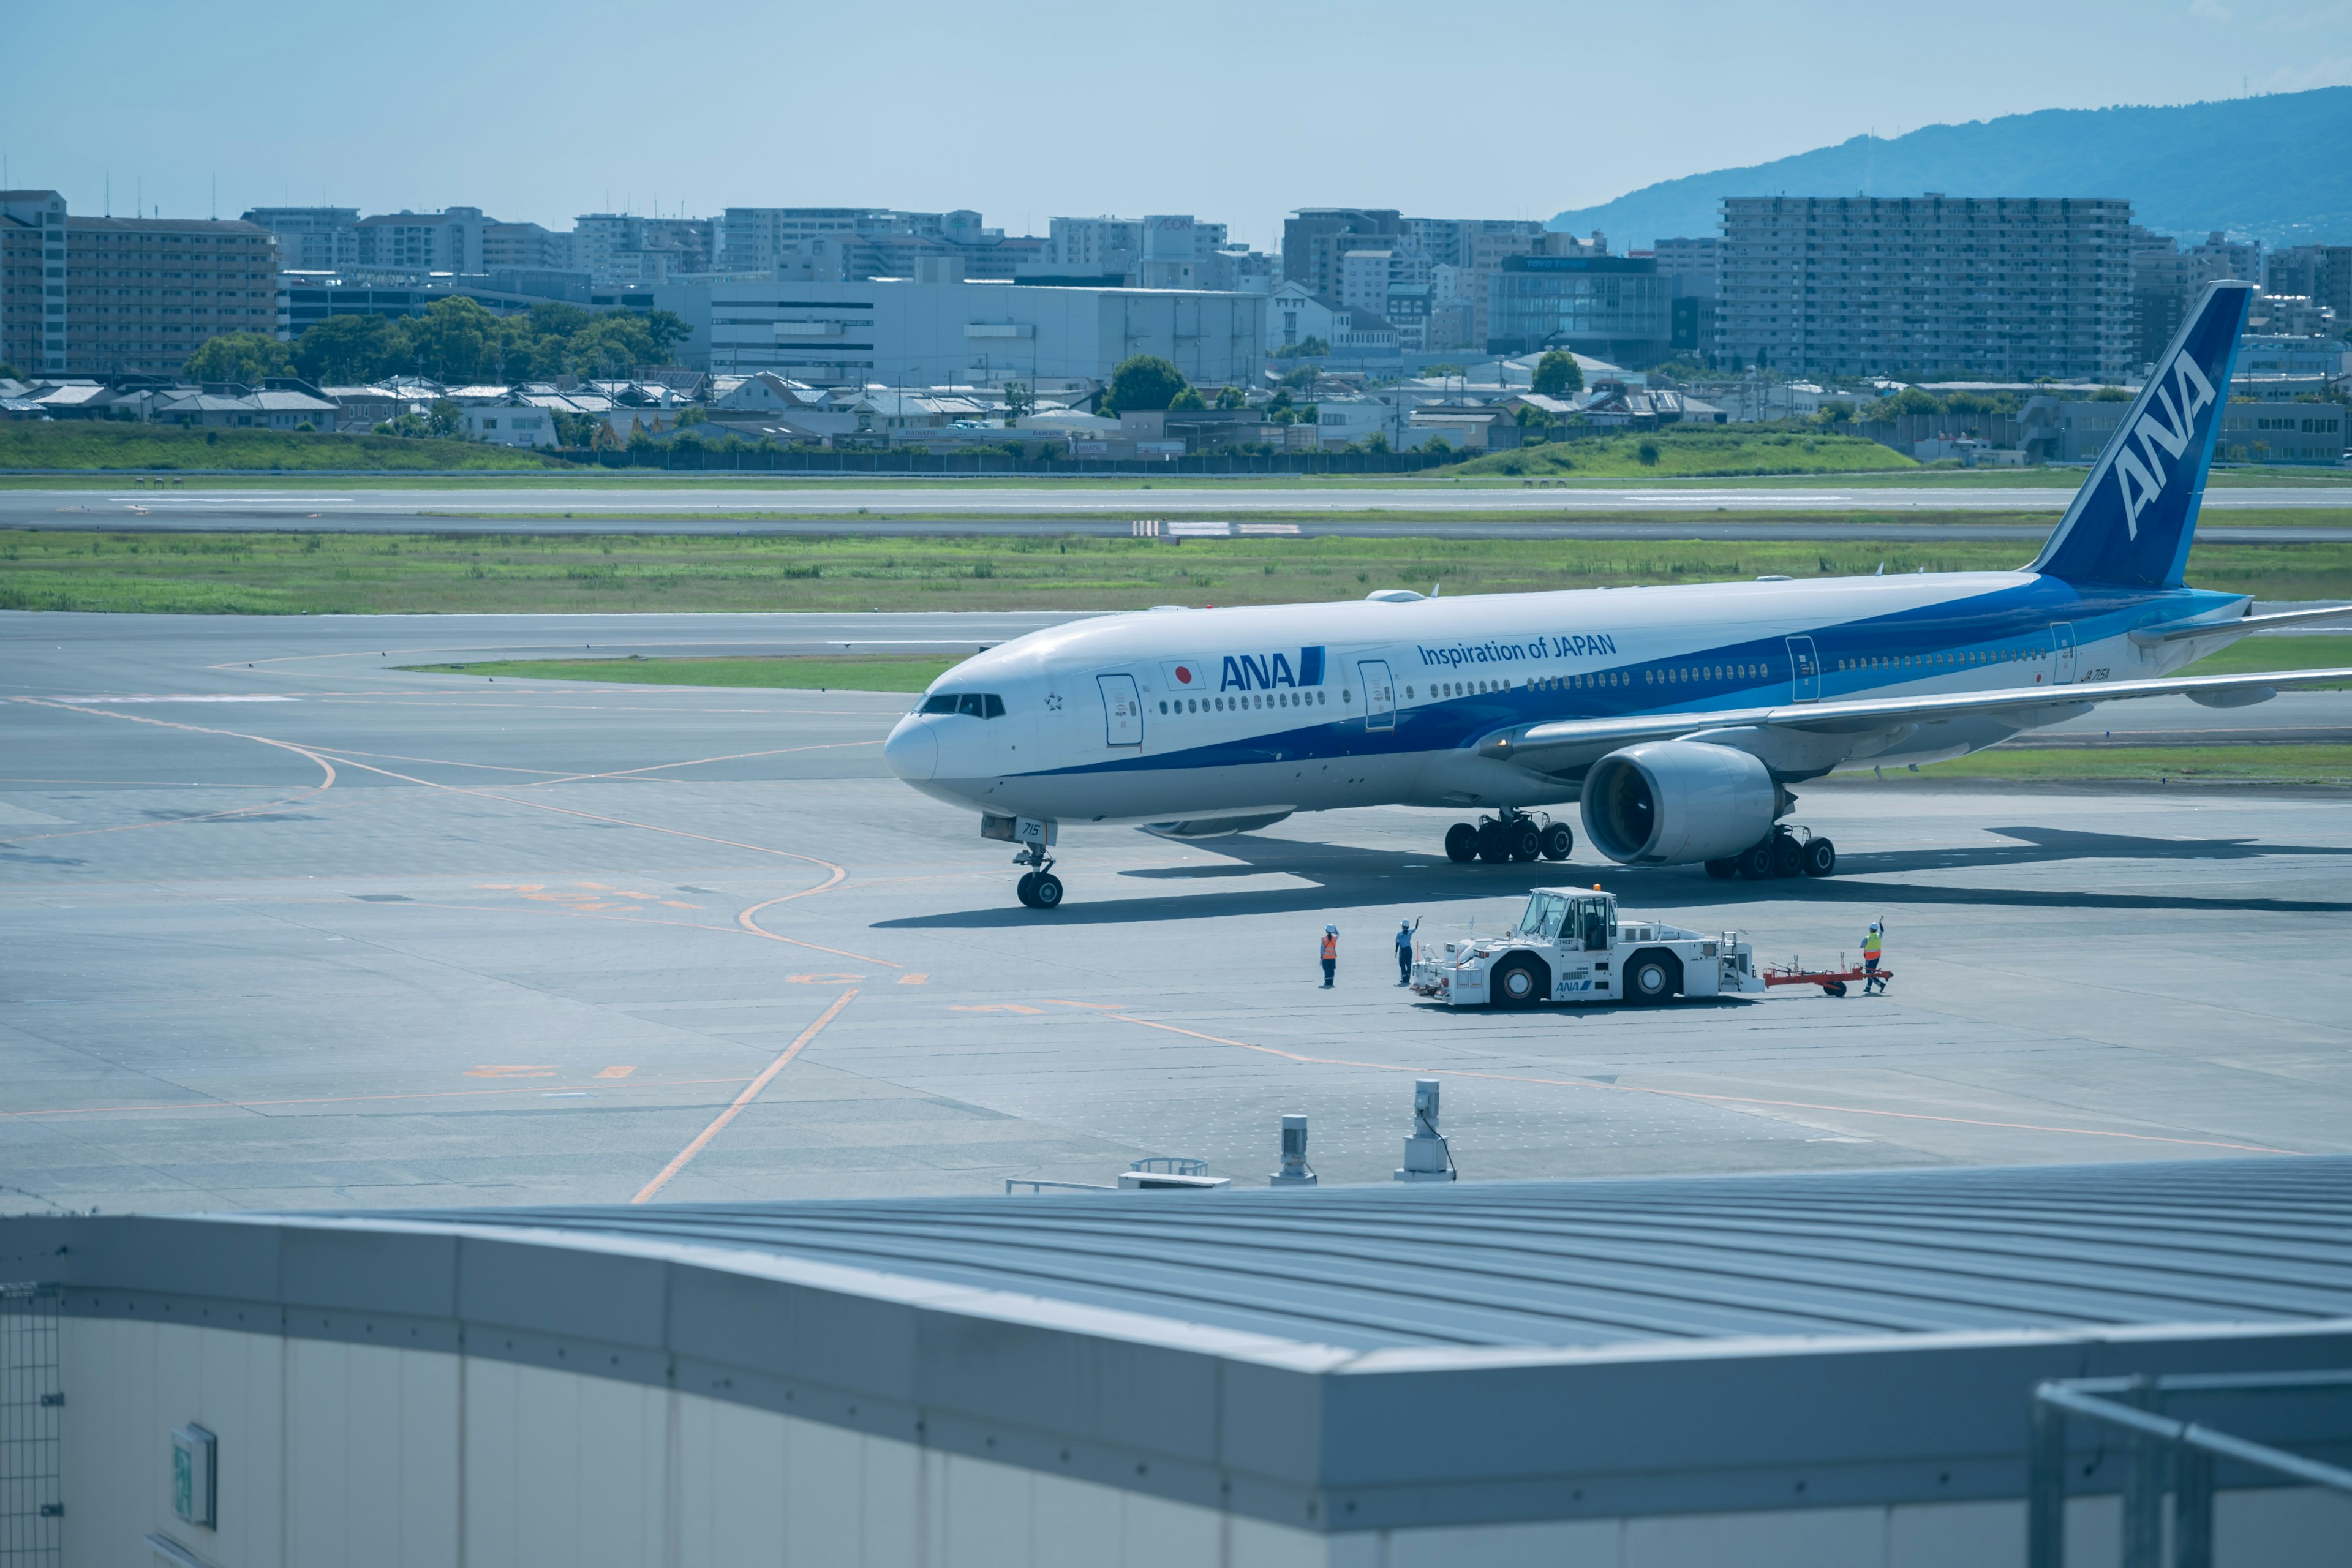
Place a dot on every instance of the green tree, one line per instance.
(454, 341)
(248, 358)
(1187, 400)
(1019, 400)
(445, 418)
(1558, 373)
(348, 350)
(1142, 382)
(1231, 397)
(1911, 400)
(1309, 347)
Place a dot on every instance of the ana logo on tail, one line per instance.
(2142, 482)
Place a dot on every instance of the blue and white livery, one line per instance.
(1677, 717)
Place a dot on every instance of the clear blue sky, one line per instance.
(1231, 111)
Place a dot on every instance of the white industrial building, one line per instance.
(966, 333)
(1921, 1369)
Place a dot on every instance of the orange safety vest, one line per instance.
(1330, 947)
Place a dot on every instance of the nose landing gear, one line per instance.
(1509, 835)
(1038, 889)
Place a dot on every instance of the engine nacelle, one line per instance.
(1667, 803)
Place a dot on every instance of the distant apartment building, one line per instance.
(1315, 239)
(2321, 273)
(2010, 287)
(853, 244)
(617, 249)
(525, 247)
(312, 239)
(449, 241)
(1295, 314)
(32, 281)
(867, 331)
(125, 296)
(1693, 269)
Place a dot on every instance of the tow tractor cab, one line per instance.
(1570, 945)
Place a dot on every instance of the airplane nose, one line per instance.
(912, 751)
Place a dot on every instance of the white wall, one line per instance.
(335, 1455)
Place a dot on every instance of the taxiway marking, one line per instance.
(751, 1093)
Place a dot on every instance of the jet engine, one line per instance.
(1667, 803)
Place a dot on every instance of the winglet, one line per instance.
(2134, 518)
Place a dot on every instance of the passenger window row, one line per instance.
(1258, 699)
(970, 704)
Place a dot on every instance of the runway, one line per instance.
(1434, 509)
(286, 926)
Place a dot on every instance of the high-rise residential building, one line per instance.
(312, 239)
(2217, 256)
(2002, 287)
(1367, 276)
(1694, 266)
(449, 241)
(621, 247)
(32, 281)
(127, 296)
(524, 247)
(1314, 239)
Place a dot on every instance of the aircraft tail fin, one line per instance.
(2134, 518)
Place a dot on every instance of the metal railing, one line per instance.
(2165, 1453)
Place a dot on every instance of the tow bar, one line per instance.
(1833, 982)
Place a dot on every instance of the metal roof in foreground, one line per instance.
(1356, 1358)
(1605, 1262)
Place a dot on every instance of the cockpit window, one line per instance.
(972, 704)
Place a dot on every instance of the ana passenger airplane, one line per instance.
(1677, 717)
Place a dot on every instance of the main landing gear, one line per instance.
(1783, 852)
(1510, 834)
(1039, 889)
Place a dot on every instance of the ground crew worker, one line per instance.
(1873, 944)
(1330, 955)
(1404, 952)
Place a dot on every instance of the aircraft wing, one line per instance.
(1568, 743)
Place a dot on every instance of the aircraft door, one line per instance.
(1122, 710)
(1380, 694)
(2062, 649)
(1804, 672)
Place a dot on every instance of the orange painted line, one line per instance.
(751, 1093)
(313, 792)
(747, 924)
(346, 1098)
(1699, 1095)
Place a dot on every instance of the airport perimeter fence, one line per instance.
(743, 459)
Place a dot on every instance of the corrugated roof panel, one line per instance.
(1597, 1262)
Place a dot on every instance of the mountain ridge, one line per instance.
(2255, 167)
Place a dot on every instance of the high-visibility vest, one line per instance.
(1330, 947)
(1870, 945)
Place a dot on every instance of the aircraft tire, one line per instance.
(1494, 843)
(1559, 842)
(1821, 857)
(1722, 870)
(1755, 862)
(1462, 844)
(1026, 890)
(1047, 893)
(1787, 857)
(1526, 842)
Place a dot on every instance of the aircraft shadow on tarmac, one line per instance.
(1346, 877)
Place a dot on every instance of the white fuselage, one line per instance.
(1256, 712)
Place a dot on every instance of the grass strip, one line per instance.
(813, 672)
(286, 573)
(2240, 764)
